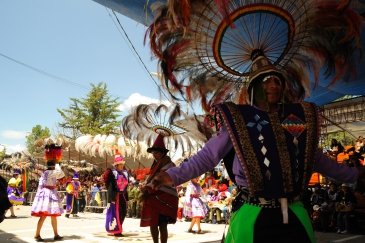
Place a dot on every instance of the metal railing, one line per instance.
(91, 203)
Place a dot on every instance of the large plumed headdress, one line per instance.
(53, 147)
(155, 124)
(205, 47)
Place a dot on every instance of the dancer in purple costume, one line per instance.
(116, 181)
(72, 195)
(14, 193)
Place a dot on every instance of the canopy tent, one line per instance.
(347, 116)
(323, 93)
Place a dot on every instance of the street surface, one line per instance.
(89, 227)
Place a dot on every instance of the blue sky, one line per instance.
(75, 40)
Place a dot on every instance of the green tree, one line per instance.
(96, 114)
(2, 152)
(37, 133)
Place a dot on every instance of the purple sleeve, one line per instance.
(329, 167)
(206, 159)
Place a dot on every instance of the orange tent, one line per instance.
(315, 179)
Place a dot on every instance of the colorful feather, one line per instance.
(180, 131)
(203, 58)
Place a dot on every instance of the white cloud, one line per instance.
(14, 148)
(11, 134)
(137, 99)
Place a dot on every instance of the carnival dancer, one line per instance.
(116, 180)
(271, 164)
(214, 51)
(47, 201)
(194, 207)
(159, 206)
(14, 192)
(5, 203)
(72, 195)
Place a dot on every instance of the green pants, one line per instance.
(242, 223)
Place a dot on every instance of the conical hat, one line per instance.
(262, 67)
(16, 172)
(76, 176)
(158, 145)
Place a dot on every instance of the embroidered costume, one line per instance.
(194, 205)
(72, 195)
(13, 190)
(160, 206)
(117, 180)
(261, 53)
(257, 169)
(47, 201)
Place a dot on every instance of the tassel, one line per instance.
(284, 209)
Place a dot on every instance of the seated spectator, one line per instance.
(331, 197)
(359, 145)
(346, 201)
(227, 202)
(209, 180)
(215, 213)
(336, 148)
(318, 195)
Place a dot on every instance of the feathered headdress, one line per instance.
(53, 147)
(206, 48)
(176, 129)
(103, 145)
(82, 167)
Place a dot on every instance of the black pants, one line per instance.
(269, 228)
(82, 204)
(122, 208)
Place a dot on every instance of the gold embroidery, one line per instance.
(310, 113)
(246, 154)
(282, 147)
(252, 165)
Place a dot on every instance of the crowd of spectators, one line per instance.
(333, 206)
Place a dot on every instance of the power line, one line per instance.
(60, 79)
(133, 49)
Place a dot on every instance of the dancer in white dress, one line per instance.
(47, 201)
(194, 208)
